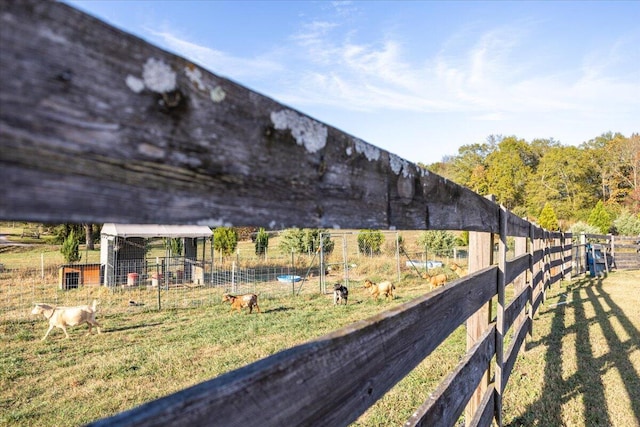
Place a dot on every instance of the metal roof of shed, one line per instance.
(155, 230)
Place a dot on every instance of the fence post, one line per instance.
(345, 267)
(520, 283)
(398, 254)
(583, 254)
(480, 256)
(554, 255)
(321, 275)
(500, 327)
(610, 245)
(613, 251)
(159, 282)
(567, 246)
(546, 265)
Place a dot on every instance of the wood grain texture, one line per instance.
(446, 403)
(99, 126)
(515, 308)
(516, 267)
(86, 137)
(484, 416)
(517, 226)
(480, 256)
(513, 350)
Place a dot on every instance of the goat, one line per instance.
(457, 269)
(436, 280)
(340, 294)
(238, 302)
(385, 288)
(61, 317)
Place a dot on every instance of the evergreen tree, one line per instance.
(548, 219)
(440, 242)
(291, 240)
(311, 240)
(306, 240)
(69, 248)
(262, 242)
(225, 240)
(600, 218)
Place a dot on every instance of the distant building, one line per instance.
(123, 253)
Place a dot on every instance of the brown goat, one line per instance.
(238, 302)
(435, 280)
(457, 269)
(384, 288)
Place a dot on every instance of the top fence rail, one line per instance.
(91, 137)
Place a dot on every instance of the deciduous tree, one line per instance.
(508, 170)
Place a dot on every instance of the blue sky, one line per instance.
(416, 78)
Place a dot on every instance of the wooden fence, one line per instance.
(99, 126)
(624, 250)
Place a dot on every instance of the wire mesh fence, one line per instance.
(159, 282)
(156, 289)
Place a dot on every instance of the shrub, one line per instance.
(305, 240)
(370, 242)
(440, 242)
(627, 224)
(582, 228)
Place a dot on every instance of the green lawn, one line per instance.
(582, 366)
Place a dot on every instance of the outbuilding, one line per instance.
(124, 254)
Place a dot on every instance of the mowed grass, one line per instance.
(581, 367)
(143, 355)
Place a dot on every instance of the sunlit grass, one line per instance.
(581, 367)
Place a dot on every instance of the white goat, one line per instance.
(61, 317)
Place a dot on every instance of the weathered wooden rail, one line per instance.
(99, 126)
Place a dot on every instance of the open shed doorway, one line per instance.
(142, 254)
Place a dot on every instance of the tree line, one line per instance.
(593, 186)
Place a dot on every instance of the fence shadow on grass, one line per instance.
(586, 384)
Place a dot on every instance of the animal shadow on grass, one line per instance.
(277, 309)
(128, 328)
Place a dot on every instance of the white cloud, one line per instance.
(216, 61)
(324, 65)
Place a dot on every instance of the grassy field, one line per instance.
(581, 368)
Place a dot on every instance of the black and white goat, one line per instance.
(340, 294)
